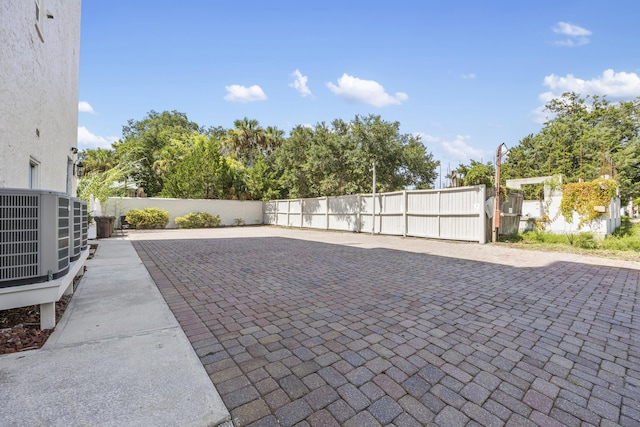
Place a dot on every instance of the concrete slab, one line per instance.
(114, 305)
(117, 358)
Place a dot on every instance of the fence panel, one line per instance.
(269, 215)
(390, 217)
(315, 213)
(455, 214)
(344, 212)
(282, 209)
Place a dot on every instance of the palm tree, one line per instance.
(245, 139)
(272, 140)
(98, 159)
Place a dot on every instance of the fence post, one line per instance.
(359, 212)
(301, 213)
(288, 212)
(326, 212)
(482, 195)
(405, 198)
(439, 216)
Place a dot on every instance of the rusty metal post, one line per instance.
(496, 213)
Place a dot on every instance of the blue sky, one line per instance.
(466, 75)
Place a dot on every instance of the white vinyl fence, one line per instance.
(451, 214)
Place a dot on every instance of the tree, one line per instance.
(262, 182)
(248, 141)
(143, 142)
(201, 172)
(586, 138)
(337, 159)
(296, 179)
(273, 138)
(105, 184)
(477, 173)
(97, 159)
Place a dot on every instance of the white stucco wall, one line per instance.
(531, 209)
(39, 92)
(249, 211)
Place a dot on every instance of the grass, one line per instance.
(624, 243)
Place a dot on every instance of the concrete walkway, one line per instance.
(308, 328)
(117, 358)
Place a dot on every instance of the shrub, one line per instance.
(584, 241)
(543, 237)
(148, 218)
(198, 220)
(625, 238)
(628, 243)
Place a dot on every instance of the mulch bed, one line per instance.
(20, 327)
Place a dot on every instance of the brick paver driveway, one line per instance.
(312, 328)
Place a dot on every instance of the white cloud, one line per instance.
(85, 107)
(366, 91)
(614, 85)
(457, 151)
(469, 76)
(570, 30)
(425, 137)
(88, 140)
(462, 152)
(300, 83)
(610, 83)
(243, 94)
(576, 36)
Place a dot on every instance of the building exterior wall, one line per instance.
(39, 73)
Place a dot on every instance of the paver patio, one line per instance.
(308, 328)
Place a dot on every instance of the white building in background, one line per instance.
(39, 70)
(533, 210)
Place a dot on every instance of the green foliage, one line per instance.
(262, 182)
(144, 141)
(105, 184)
(477, 173)
(544, 237)
(585, 197)
(625, 238)
(201, 172)
(336, 159)
(238, 222)
(584, 139)
(533, 191)
(169, 156)
(583, 241)
(97, 160)
(248, 141)
(198, 220)
(148, 218)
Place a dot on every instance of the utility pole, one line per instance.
(496, 213)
